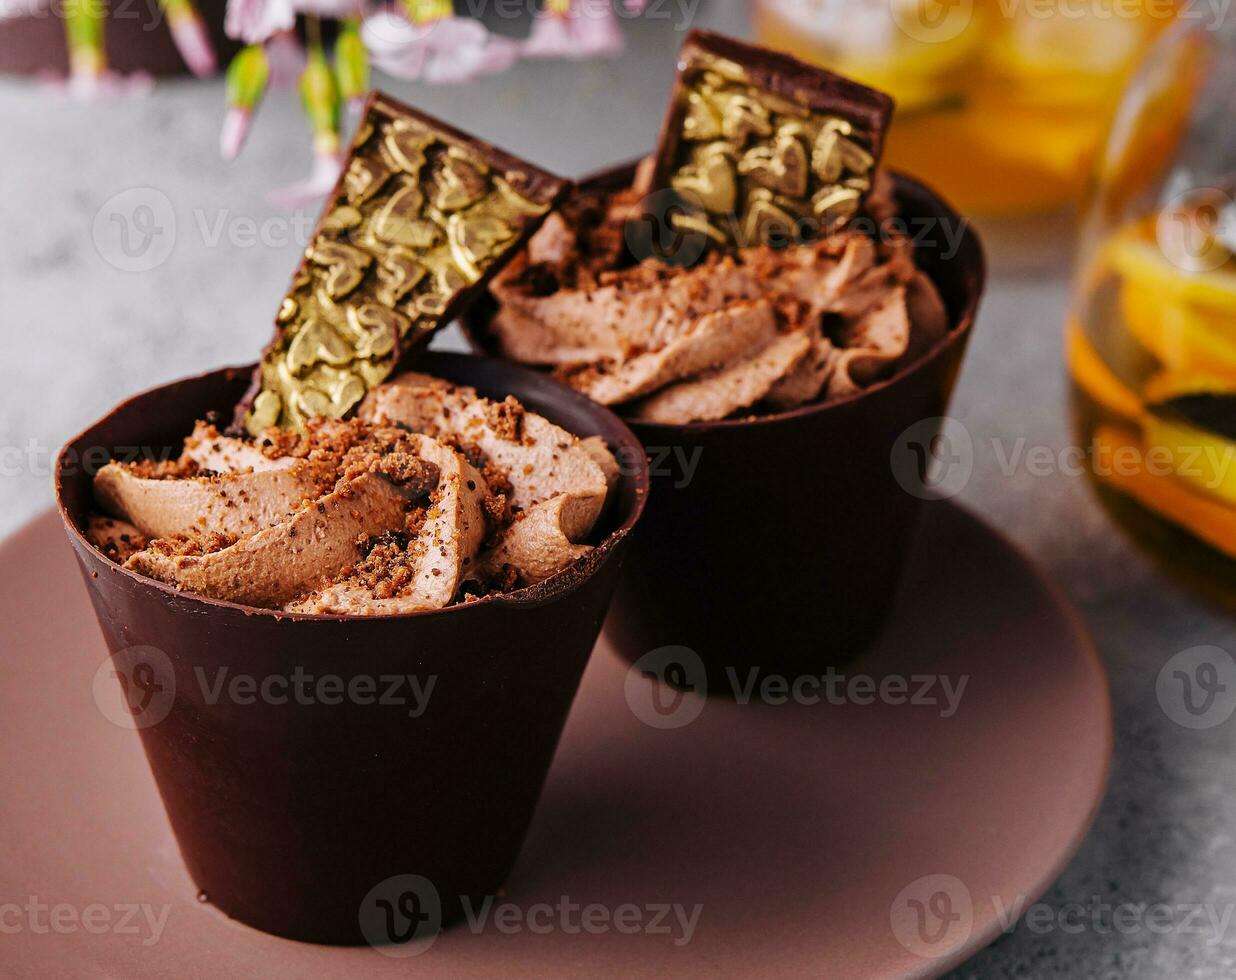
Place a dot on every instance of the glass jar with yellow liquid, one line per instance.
(1001, 104)
(1152, 324)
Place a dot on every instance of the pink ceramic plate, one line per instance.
(675, 837)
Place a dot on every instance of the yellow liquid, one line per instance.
(1145, 335)
(1002, 108)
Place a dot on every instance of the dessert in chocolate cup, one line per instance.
(293, 812)
(774, 540)
(757, 301)
(374, 515)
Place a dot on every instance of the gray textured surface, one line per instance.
(79, 334)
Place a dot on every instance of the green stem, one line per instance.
(427, 11)
(83, 26)
(319, 94)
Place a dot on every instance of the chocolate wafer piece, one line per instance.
(760, 148)
(422, 217)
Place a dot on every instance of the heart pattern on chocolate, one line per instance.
(345, 265)
(835, 204)
(710, 180)
(400, 222)
(342, 219)
(781, 167)
(425, 210)
(744, 118)
(405, 144)
(364, 177)
(473, 240)
(398, 274)
(789, 138)
(702, 122)
(375, 329)
(317, 342)
(767, 223)
(460, 182)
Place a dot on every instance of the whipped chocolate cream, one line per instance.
(432, 496)
(755, 330)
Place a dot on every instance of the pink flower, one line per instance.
(584, 29)
(253, 21)
(330, 9)
(193, 43)
(440, 51)
(285, 58)
(320, 182)
(235, 128)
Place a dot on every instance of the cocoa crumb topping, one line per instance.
(192, 545)
(497, 513)
(624, 331)
(434, 533)
(497, 479)
(278, 443)
(506, 418)
(417, 476)
(165, 469)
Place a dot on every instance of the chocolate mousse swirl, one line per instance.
(434, 495)
(756, 330)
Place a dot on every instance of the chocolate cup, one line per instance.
(136, 37)
(807, 583)
(289, 815)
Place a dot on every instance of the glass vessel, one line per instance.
(1152, 324)
(1001, 104)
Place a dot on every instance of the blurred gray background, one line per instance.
(80, 333)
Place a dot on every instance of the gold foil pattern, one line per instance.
(421, 214)
(761, 149)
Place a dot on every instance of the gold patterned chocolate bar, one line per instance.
(421, 218)
(761, 148)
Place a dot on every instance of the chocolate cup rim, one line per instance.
(551, 590)
(958, 331)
